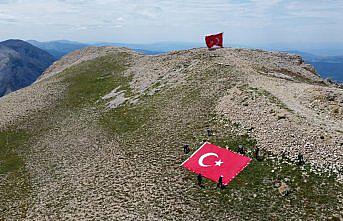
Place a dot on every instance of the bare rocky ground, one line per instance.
(117, 155)
(18, 105)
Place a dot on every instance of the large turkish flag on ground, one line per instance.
(212, 162)
(214, 40)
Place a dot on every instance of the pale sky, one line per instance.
(147, 21)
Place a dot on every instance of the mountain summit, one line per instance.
(20, 64)
(100, 134)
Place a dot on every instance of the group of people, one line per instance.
(256, 154)
(241, 150)
(220, 184)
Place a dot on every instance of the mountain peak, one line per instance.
(15, 43)
(20, 64)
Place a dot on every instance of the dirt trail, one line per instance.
(295, 96)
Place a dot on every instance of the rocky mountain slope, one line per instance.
(100, 135)
(327, 66)
(20, 64)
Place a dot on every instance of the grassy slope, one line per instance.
(85, 87)
(153, 132)
(14, 179)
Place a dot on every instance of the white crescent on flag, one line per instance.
(201, 159)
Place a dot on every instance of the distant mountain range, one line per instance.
(58, 48)
(62, 47)
(154, 48)
(20, 64)
(318, 49)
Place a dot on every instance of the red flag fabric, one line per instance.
(214, 40)
(212, 162)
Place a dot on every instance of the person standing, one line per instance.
(301, 159)
(257, 153)
(241, 149)
(186, 149)
(220, 182)
(209, 132)
(199, 177)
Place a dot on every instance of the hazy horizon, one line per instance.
(244, 22)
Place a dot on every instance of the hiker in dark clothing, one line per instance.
(209, 132)
(257, 154)
(199, 177)
(301, 159)
(186, 149)
(283, 155)
(240, 149)
(220, 183)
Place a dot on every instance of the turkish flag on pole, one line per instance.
(214, 40)
(212, 162)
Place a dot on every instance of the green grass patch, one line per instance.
(126, 118)
(91, 80)
(10, 142)
(15, 185)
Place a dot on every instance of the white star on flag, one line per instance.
(219, 162)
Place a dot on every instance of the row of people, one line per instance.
(220, 184)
